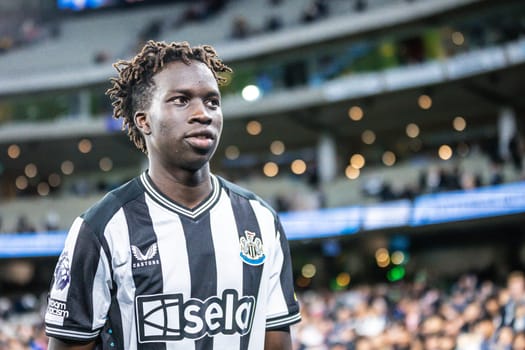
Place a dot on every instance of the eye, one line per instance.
(178, 100)
(213, 103)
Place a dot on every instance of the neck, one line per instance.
(185, 187)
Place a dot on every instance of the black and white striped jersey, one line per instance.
(139, 271)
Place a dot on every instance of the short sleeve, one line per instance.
(79, 296)
(283, 308)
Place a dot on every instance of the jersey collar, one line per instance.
(166, 202)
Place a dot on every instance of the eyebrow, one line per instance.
(188, 92)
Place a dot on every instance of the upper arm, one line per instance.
(277, 340)
(57, 344)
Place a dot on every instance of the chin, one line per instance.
(197, 163)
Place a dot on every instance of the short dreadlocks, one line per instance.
(131, 90)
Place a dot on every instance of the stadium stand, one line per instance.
(449, 290)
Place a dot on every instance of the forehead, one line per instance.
(179, 75)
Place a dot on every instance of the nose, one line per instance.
(199, 113)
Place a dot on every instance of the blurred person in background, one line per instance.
(519, 341)
(177, 257)
(514, 307)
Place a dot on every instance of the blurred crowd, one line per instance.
(21, 326)
(470, 315)
(22, 28)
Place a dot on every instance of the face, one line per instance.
(183, 125)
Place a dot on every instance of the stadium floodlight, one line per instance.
(251, 93)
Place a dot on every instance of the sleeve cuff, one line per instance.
(68, 334)
(281, 321)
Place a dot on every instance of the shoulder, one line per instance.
(236, 190)
(98, 215)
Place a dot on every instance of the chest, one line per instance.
(195, 258)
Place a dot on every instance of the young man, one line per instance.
(177, 258)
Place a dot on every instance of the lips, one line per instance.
(202, 139)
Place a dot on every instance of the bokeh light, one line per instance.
(398, 257)
(271, 169)
(254, 128)
(343, 279)
(388, 158)
(458, 38)
(54, 180)
(382, 257)
(412, 130)
(368, 137)
(308, 270)
(232, 152)
(424, 101)
(277, 147)
(13, 151)
(298, 166)
(105, 164)
(459, 123)
(21, 182)
(251, 93)
(85, 146)
(67, 167)
(355, 113)
(43, 189)
(357, 161)
(30, 170)
(445, 152)
(351, 172)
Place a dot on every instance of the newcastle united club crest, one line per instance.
(252, 251)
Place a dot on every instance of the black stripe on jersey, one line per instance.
(203, 267)
(99, 214)
(286, 272)
(84, 263)
(145, 261)
(251, 275)
(112, 332)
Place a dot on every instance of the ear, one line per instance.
(142, 122)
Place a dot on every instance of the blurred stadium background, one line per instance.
(389, 134)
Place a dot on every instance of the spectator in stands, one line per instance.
(314, 11)
(519, 341)
(504, 339)
(496, 169)
(360, 5)
(273, 23)
(240, 28)
(512, 310)
(151, 31)
(200, 10)
(23, 225)
(52, 222)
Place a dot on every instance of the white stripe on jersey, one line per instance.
(101, 293)
(229, 265)
(174, 257)
(116, 234)
(267, 226)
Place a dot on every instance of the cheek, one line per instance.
(219, 123)
(164, 128)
